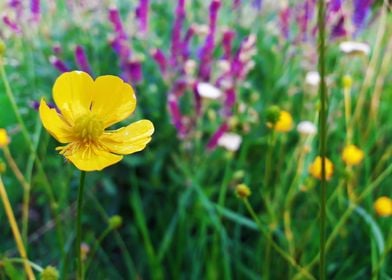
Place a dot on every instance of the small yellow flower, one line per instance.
(242, 191)
(87, 108)
(347, 81)
(383, 206)
(4, 139)
(315, 168)
(352, 155)
(285, 122)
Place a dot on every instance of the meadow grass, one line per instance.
(186, 207)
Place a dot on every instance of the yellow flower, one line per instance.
(243, 191)
(352, 155)
(285, 122)
(347, 81)
(87, 108)
(383, 206)
(4, 139)
(315, 168)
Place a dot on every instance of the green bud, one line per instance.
(272, 114)
(115, 221)
(50, 273)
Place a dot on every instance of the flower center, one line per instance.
(88, 127)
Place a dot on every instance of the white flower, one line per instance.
(230, 141)
(207, 90)
(351, 47)
(312, 78)
(306, 128)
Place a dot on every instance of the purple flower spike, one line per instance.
(213, 142)
(135, 71)
(176, 32)
(188, 36)
(197, 99)
(175, 112)
(361, 11)
(335, 6)
(115, 19)
(11, 24)
(58, 64)
(227, 42)
(284, 22)
(82, 60)
(229, 101)
(142, 15)
(35, 8)
(338, 29)
(208, 48)
(160, 59)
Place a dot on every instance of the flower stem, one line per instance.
(323, 134)
(15, 231)
(26, 190)
(277, 248)
(78, 226)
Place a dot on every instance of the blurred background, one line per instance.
(232, 89)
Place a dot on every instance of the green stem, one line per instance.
(277, 248)
(40, 168)
(323, 134)
(78, 226)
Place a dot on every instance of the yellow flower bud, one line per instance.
(352, 155)
(4, 139)
(315, 168)
(50, 273)
(347, 81)
(285, 122)
(383, 206)
(242, 191)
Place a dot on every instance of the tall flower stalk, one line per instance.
(15, 230)
(323, 133)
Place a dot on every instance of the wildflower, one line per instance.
(242, 191)
(352, 155)
(347, 81)
(383, 206)
(230, 141)
(81, 59)
(312, 78)
(350, 47)
(306, 128)
(315, 168)
(86, 110)
(58, 64)
(285, 122)
(4, 139)
(207, 90)
(50, 273)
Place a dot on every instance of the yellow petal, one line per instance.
(129, 139)
(55, 124)
(72, 93)
(113, 100)
(90, 157)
